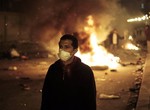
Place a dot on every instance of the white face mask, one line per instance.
(63, 55)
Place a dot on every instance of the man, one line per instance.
(114, 38)
(69, 84)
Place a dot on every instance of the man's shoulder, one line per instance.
(83, 66)
(79, 61)
(55, 64)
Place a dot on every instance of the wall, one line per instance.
(12, 27)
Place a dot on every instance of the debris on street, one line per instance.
(113, 70)
(108, 96)
(25, 87)
(12, 68)
(99, 67)
(134, 90)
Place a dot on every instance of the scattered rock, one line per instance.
(113, 70)
(25, 87)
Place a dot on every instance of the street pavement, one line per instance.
(144, 94)
(21, 83)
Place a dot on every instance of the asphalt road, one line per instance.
(21, 83)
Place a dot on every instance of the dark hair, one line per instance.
(72, 38)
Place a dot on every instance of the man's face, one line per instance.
(66, 45)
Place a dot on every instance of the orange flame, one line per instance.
(129, 45)
(98, 56)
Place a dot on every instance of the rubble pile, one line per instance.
(136, 58)
(135, 89)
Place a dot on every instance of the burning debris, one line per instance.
(97, 55)
(91, 52)
(130, 44)
(69, 17)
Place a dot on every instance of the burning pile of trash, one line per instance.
(95, 54)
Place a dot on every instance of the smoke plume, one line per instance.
(49, 19)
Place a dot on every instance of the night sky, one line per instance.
(34, 5)
(24, 5)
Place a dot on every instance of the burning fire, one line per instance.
(129, 45)
(98, 55)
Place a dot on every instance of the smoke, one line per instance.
(49, 19)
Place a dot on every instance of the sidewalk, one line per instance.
(144, 95)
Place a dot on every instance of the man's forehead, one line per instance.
(67, 42)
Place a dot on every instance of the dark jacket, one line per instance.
(76, 91)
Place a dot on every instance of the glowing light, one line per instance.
(90, 20)
(130, 38)
(130, 46)
(145, 17)
(98, 56)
